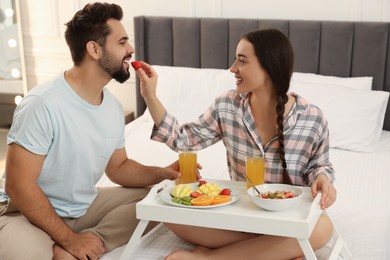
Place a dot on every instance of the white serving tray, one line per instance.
(243, 215)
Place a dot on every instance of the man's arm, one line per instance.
(22, 170)
(129, 173)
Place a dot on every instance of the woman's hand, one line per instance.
(148, 78)
(328, 191)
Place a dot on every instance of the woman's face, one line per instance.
(250, 75)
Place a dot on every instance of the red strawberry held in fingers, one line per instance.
(136, 64)
(225, 191)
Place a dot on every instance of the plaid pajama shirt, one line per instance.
(229, 118)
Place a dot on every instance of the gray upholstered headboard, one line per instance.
(344, 49)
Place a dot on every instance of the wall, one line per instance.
(47, 54)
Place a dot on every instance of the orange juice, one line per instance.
(255, 170)
(187, 162)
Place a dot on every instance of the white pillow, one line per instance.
(355, 117)
(362, 83)
(188, 92)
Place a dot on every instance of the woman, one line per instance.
(259, 116)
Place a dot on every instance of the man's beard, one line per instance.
(114, 67)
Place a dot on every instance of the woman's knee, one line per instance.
(322, 232)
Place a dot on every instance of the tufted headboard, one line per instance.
(344, 49)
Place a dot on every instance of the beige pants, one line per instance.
(111, 216)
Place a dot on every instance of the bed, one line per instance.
(343, 67)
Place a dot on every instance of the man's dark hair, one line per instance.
(90, 24)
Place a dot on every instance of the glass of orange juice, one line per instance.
(255, 169)
(187, 163)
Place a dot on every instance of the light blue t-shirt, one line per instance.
(76, 137)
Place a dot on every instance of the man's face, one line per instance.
(114, 66)
(116, 53)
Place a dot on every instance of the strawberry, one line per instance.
(289, 194)
(136, 64)
(201, 183)
(195, 194)
(225, 191)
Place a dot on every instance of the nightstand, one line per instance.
(129, 116)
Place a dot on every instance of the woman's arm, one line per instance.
(322, 175)
(193, 136)
(148, 78)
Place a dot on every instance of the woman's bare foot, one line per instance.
(61, 254)
(198, 253)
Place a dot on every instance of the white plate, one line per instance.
(167, 197)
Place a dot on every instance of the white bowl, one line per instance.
(275, 204)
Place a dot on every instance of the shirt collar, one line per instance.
(300, 106)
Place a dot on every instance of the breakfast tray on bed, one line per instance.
(242, 215)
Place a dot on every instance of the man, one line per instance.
(65, 134)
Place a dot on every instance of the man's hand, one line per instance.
(85, 246)
(172, 171)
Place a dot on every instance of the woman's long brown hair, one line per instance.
(275, 53)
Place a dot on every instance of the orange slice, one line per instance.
(219, 199)
(204, 200)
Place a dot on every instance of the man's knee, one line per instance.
(19, 239)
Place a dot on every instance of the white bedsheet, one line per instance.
(361, 212)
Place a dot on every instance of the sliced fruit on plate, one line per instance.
(225, 191)
(204, 200)
(201, 183)
(209, 188)
(219, 199)
(186, 200)
(181, 190)
(195, 194)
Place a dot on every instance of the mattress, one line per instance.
(361, 213)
